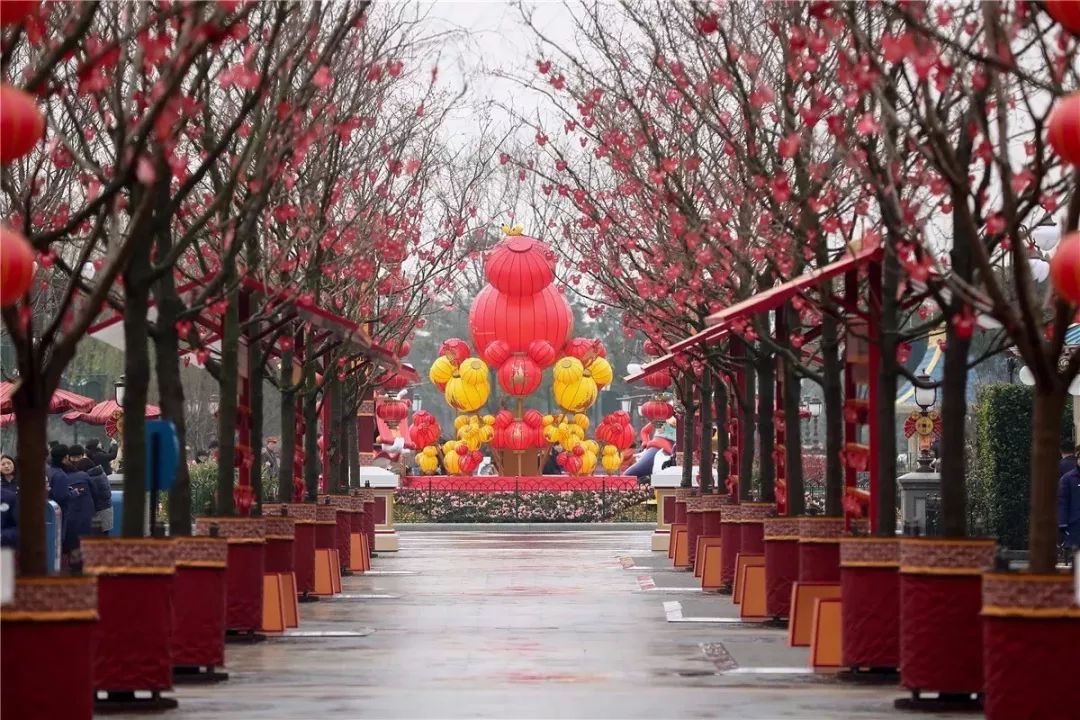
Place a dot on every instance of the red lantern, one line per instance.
(542, 353)
(519, 436)
(658, 379)
(21, 123)
(657, 410)
(1065, 268)
(404, 349)
(503, 418)
(12, 11)
(461, 449)
(392, 411)
(533, 418)
(519, 266)
(496, 353)
(585, 350)
(397, 381)
(519, 376)
(1063, 128)
(520, 320)
(1066, 12)
(16, 266)
(455, 349)
(424, 429)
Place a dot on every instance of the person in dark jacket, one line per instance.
(70, 488)
(1067, 463)
(100, 457)
(1069, 508)
(100, 492)
(9, 503)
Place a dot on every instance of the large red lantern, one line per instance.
(1063, 128)
(424, 429)
(1065, 268)
(1066, 12)
(542, 353)
(658, 379)
(519, 376)
(21, 123)
(520, 436)
(656, 410)
(397, 381)
(496, 353)
(615, 429)
(12, 11)
(392, 411)
(519, 266)
(16, 266)
(520, 320)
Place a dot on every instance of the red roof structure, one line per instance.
(61, 401)
(105, 411)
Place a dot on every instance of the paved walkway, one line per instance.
(552, 625)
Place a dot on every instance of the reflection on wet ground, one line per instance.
(506, 625)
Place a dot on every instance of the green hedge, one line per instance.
(1000, 487)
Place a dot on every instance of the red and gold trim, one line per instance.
(695, 504)
(753, 512)
(301, 513)
(781, 528)
(821, 529)
(52, 599)
(713, 501)
(945, 556)
(367, 459)
(279, 527)
(731, 513)
(349, 503)
(202, 552)
(366, 495)
(129, 556)
(869, 552)
(366, 408)
(1024, 595)
(326, 515)
(238, 531)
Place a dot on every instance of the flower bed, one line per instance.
(423, 505)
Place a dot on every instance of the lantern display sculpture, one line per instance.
(1065, 268)
(1063, 128)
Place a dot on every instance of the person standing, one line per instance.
(70, 489)
(270, 460)
(100, 492)
(1069, 508)
(9, 503)
(100, 457)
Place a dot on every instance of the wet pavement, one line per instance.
(543, 625)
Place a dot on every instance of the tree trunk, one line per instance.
(31, 401)
(334, 473)
(136, 385)
(352, 433)
(255, 425)
(171, 397)
(1046, 422)
(723, 467)
(311, 435)
(705, 469)
(833, 390)
(229, 385)
(746, 429)
(687, 433)
(287, 469)
(885, 412)
(793, 466)
(766, 373)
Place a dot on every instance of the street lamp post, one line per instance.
(814, 406)
(925, 398)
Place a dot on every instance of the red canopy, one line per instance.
(7, 419)
(104, 412)
(62, 400)
(720, 322)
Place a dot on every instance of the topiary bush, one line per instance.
(1000, 486)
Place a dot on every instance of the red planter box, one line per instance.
(325, 527)
(303, 516)
(781, 563)
(198, 638)
(819, 549)
(1031, 635)
(280, 544)
(48, 635)
(694, 524)
(246, 566)
(730, 542)
(133, 639)
(752, 528)
(940, 598)
(870, 597)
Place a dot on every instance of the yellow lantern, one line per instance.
(489, 420)
(452, 462)
(551, 433)
(611, 461)
(568, 370)
(600, 371)
(461, 421)
(474, 372)
(464, 397)
(588, 463)
(582, 421)
(428, 460)
(574, 397)
(441, 371)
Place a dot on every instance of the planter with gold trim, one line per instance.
(280, 544)
(244, 575)
(694, 518)
(711, 513)
(367, 499)
(198, 640)
(347, 507)
(730, 543)
(940, 630)
(870, 597)
(819, 548)
(681, 494)
(48, 636)
(781, 563)
(133, 639)
(303, 515)
(1031, 637)
(752, 526)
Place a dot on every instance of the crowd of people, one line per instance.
(77, 478)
